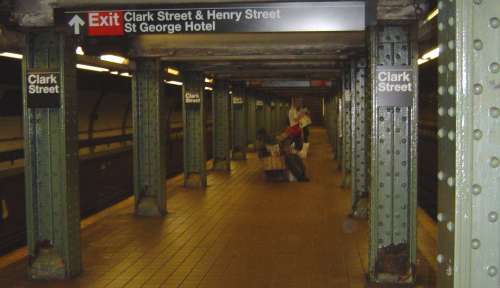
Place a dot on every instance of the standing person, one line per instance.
(305, 122)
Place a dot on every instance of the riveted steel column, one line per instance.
(259, 113)
(267, 115)
(346, 128)
(340, 128)
(239, 123)
(251, 121)
(221, 127)
(393, 155)
(193, 114)
(51, 162)
(149, 139)
(359, 162)
(469, 144)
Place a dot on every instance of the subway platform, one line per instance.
(241, 231)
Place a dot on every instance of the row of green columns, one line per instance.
(51, 162)
(469, 144)
(251, 105)
(149, 138)
(221, 102)
(346, 127)
(359, 163)
(193, 115)
(393, 155)
(239, 121)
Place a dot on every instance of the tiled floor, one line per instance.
(240, 232)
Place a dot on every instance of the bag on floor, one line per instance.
(296, 167)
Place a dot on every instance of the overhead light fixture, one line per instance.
(173, 82)
(230, 92)
(91, 68)
(209, 88)
(126, 74)
(172, 71)
(79, 50)
(209, 80)
(11, 55)
(114, 72)
(114, 59)
(431, 15)
(430, 55)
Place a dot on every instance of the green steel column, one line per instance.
(393, 154)
(274, 118)
(469, 144)
(221, 127)
(259, 114)
(51, 162)
(239, 123)
(346, 127)
(252, 120)
(149, 138)
(193, 115)
(359, 161)
(338, 107)
(267, 115)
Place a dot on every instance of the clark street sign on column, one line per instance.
(395, 86)
(218, 18)
(43, 89)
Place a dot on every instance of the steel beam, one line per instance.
(267, 115)
(239, 116)
(359, 186)
(51, 163)
(193, 114)
(469, 144)
(149, 138)
(221, 129)
(393, 157)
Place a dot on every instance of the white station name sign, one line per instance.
(44, 89)
(394, 86)
(218, 18)
(192, 98)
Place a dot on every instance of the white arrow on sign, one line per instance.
(76, 22)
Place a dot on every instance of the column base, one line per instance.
(148, 207)
(239, 155)
(195, 181)
(48, 265)
(221, 165)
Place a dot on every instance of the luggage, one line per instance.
(296, 167)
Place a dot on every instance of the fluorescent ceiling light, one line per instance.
(91, 68)
(422, 61)
(11, 55)
(433, 54)
(125, 74)
(114, 59)
(209, 88)
(431, 15)
(172, 71)
(173, 82)
(430, 55)
(114, 72)
(79, 50)
(209, 80)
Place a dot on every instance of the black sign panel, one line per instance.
(219, 18)
(44, 89)
(394, 86)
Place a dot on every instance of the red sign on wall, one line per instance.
(105, 23)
